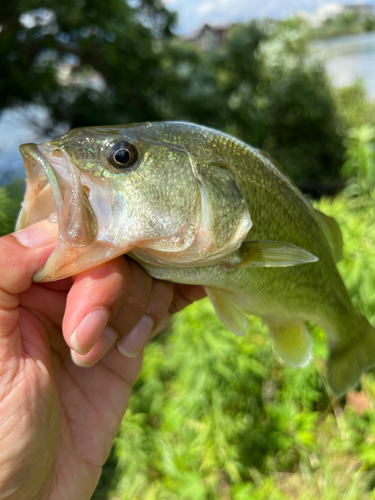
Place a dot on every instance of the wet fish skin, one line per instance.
(184, 214)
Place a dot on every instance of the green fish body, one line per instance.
(193, 205)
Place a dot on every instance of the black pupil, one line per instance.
(122, 156)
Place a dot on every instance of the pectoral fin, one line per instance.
(292, 343)
(227, 310)
(270, 254)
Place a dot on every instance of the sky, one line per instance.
(194, 13)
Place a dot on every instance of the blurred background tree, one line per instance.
(96, 62)
(88, 62)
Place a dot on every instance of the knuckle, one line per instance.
(163, 291)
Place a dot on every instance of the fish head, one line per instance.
(121, 189)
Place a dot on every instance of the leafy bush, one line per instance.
(10, 203)
(214, 416)
(259, 88)
(360, 161)
(346, 23)
(117, 62)
(353, 106)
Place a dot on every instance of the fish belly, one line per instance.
(285, 299)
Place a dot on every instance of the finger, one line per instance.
(163, 324)
(61, 285)
(94, 299)
(184, 295)
(136, 339)
(133, 308)
(22, 254)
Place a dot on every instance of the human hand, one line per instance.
(57, 419)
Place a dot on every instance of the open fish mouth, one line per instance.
(54, 191)
(39, 202)
(54, 187)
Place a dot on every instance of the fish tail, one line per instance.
(347, 362)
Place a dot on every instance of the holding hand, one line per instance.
(57, 419)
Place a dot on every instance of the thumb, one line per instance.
(22, 254)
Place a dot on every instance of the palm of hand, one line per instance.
(59, 420)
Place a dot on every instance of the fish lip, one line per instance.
(39, 175)
(76, 219)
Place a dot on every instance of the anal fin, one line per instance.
(227, 310)
(292, 342)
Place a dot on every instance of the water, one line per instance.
(349, 58)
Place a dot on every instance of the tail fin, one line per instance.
(346, 364)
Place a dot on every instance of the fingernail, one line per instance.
(38, 235)
(107, 339)
(89, 330)
(132, 343)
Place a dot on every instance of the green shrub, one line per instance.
(360, 161)
(10, 204)
(214, 416)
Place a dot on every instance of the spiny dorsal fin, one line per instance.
(332, 232)
(270, 254)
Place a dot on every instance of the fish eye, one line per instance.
(122, 155)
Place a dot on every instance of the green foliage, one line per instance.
(360, 161)
(88, 62)
(259, 88)
(214, 416)
(10, 203)
(100, 62)
(298, 98)
(346, 23)
(354, 107)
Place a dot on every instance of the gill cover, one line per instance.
(218, 226)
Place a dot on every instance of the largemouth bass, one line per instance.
(193, 205)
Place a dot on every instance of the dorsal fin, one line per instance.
(332, 232)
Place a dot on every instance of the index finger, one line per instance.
(93, 301)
